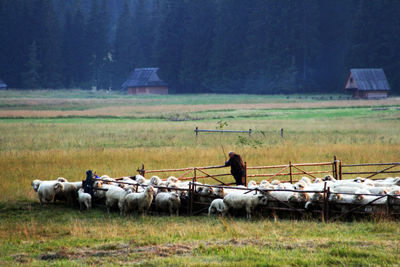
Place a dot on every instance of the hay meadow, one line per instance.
(47, 134)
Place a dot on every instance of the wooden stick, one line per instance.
(303, 171)
(212, 177)
(180, 177)
(370, 164)
(382, 171)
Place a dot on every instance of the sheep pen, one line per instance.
(329, 198)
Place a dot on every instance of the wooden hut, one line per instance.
(144, 81)
(368, 83)
(3, 85)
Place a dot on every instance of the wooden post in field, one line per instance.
(282, 132)
(197, 131)
(327, 204)
(335, 168)
(324, 205)
(142, 172)
(290, 171)
(245, 173)
(250, 132)
(340, 170)
(189, 207)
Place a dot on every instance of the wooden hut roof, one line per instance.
(143, 77)
(370, 79)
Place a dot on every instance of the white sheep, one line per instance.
(341, 200)
(48, 189)
(236, 201)
(108, 180)
(140, 179)
(264, 184)
(163, 186)
(138, 201)
(378, 190)
(67, 194)
(300, 185)
(351, 189)
(78, 185)
(168, 201)
(217, 206)
(275, 182)
(317, 180)
(61, 180)
(273, 196)
(85, 200)
(115, 197)
(300, 197)
(285, 186)
(329, 178)
(155, 180)
(306, 180)
(252, 184)
(205, 194)
(172, 179)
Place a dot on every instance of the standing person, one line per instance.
(237, 167)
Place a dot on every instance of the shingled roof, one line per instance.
(369, 79)
(143, 77)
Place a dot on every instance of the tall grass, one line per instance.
(46, 148)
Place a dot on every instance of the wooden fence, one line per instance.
(290, 170)
(327, 210)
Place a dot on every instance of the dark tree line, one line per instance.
(235, 46)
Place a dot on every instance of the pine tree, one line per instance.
(31, 78)
(123, 43)
(97, 44)
(199, 23)
(170, 43)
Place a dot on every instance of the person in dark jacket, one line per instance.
(237, 167)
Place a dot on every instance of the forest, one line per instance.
(207, 46)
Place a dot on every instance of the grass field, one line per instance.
(46, 134)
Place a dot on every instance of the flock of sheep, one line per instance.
(137, 194)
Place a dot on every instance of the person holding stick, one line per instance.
(237, 167)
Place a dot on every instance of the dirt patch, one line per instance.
(22, 257)
(122, 250)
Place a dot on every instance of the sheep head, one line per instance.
(275, 182)
(35, 184)
(336, 197)
(262, 199)
(294, 197)
(251, 183)
(155, 180)
(62, 180)
(58, 187)
(219, 192)
(329, 178)
(317, 180)
(149, 190)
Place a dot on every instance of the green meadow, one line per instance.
(47, 134)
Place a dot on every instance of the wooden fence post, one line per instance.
(335, 168)
(245, 173)
(327, 205)
(282, 132)
(250, 132)
(142, 172)
(197, 131)
(189, 208)
(340, 170)
(290, 170)
(323, 211)
(389, 206)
